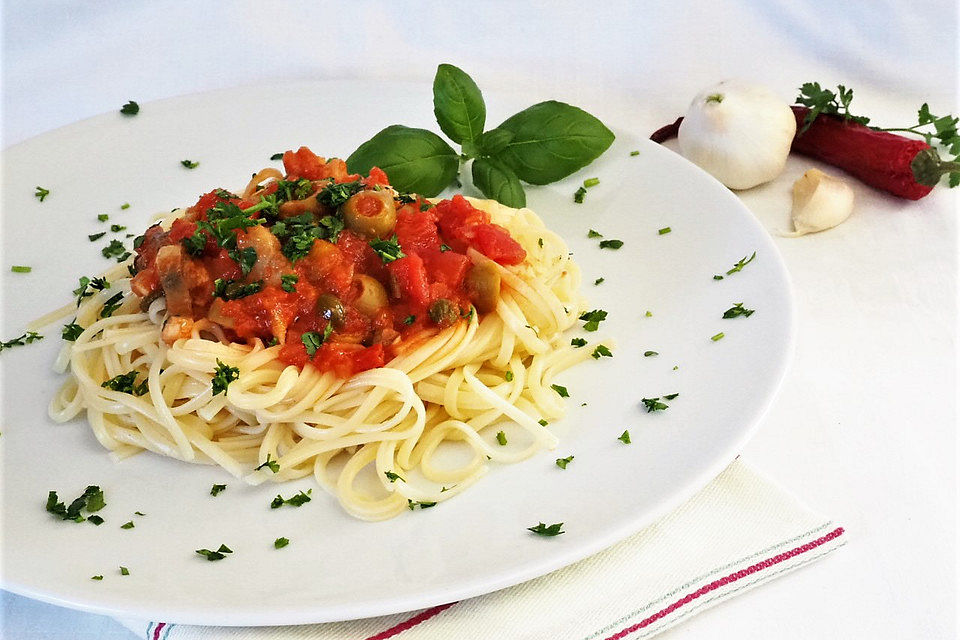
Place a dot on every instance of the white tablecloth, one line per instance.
(864, 428)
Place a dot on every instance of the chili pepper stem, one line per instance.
(928, 167)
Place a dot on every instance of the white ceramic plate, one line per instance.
(335, 567)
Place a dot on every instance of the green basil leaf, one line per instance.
(458, 104)
(498, 181)
(417, 160)
(492, 142)
(552, 140)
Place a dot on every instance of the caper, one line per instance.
(443, 312)
(331, 309)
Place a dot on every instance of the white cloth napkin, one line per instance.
(738, 532)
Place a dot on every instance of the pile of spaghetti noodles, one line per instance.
(416, 431)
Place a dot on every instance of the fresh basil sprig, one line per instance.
(539, 145)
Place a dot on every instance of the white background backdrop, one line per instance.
(865, 426)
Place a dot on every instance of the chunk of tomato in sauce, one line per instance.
(304, 163)
(448, 267)
(458, 219)
(376, 177)
(408, 280)
(416, 230)
(496, 243)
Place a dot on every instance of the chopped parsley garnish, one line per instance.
(127, 525)
(139, 513)
(194, 244)
(113, 250)
(297, 234)
(423, 505)
(410, 319)
(738, 310)
(277, 156)
(594, 234)
(216, 489)
(96, 577)
(593, 319)
(273, 465)
(543, 530)
(294, 190)
(313, 339)
(508, 376)
(223, 375)
(562, 391)
(540, 242)
(294, 501)
(647, 354)
(741, 263)
(97, 284)
(444, 248)
(501, 438)
(664, 231)
(393, 477)
(634, 153)
(19, 341)
(335, 194)
(542, 422)
(280, 543)
(234, 290)
(125, 205)
(388, 250)
(41, 193)
(126, 383)
(597, 281)
(219, 554)
(95, 519)
(124, 571)
(716, 337)
(611, 244)
(189, 164)
(601, 352)
(625, 437)
(578, 342)
(654, 404)
(246, 258)
(116, 228)
(103, 217)
(648, 314)
(93, 237)
(20, 269)
(578, 195)
(91, 499)
(112, 304)
(130, 109)
(563, 462)
(288, 282)
(591, 182)
(670, 396)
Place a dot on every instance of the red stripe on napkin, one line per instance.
(412, 622)
(158, 629)
(733, 577)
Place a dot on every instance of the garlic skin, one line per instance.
(820, 201)
(738, 132)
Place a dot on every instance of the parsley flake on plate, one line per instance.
(654, 404)
(22, 340)
(41, 193)
(611, 244)
(501, 438)
(593, 319)
(393, 477)
(130, 109)
(219, 554)
(293, 501)
(563, 462)
(190, 164)
(216, 489)
(562, 391)
(273, 465)
(625, 437)
(738, 310)
(544, 530)
(280, 543)
(601, 352)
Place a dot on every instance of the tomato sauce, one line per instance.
(323, 264)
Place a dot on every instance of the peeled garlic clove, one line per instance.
(820, 201)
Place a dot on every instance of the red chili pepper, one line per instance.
(878, 158)
(906, 167)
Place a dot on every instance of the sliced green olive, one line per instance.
(372, 295)
(331, 309)
(443, 312)
(371, 213)
(483, 287)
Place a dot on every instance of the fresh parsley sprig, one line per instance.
(19, 341)
(542, 529)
